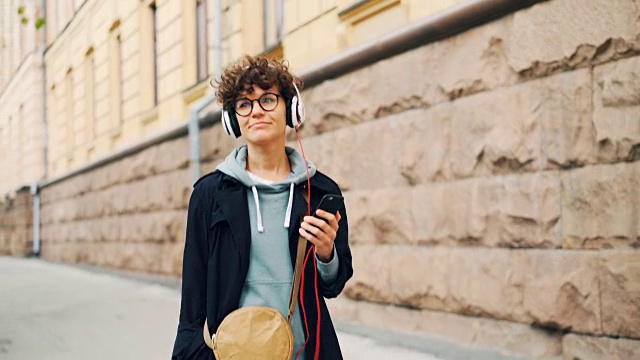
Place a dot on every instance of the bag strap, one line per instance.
(295, 287)
(297, 274)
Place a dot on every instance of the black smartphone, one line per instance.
(330, 203)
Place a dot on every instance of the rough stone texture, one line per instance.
(499, 134)
(472, 61)
(594, 293)
(356, 165)
(129, 214)
(548, 38)
(538, 124)
(467, 63)
(511, 211)
(510, 338)
(576, 347)
(161, 258)
(379, 217)
(372, 284)
(616, 112)
(619, 277)
(567, 30)
(426, 140)
(557, 290)
(347, 154)
(601, 206)
(560, 290)
(565, 117)
(215, 143)
(16, 224)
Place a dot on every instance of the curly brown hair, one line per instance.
(240, 77)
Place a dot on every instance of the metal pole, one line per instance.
(35, 189)
(35, 193)
(194, 123)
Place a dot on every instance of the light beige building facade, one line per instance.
(120, 71)
(21, 96)
(490, 172)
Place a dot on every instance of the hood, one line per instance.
(235, 166)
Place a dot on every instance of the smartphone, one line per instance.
(330, 203)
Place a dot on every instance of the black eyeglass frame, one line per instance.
(235, 108)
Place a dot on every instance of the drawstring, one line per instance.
(255, 198)
(287, 216)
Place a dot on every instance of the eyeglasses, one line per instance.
(267, 101)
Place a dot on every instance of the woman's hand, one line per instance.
(321, 233)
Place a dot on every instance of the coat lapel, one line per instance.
(233, 202)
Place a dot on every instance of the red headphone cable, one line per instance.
(315, 268)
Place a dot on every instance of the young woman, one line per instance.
(244, 221)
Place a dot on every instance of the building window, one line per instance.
(22, 48)
(59, 15)
(154, 17)
(56, 132)
(10, 142)
(68, 112)
(273, 18)
(201, 39)
(148, 55)
(21, 144)
(115, 75)
(369, 19)
(89, 96)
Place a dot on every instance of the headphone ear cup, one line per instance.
(291, 112)
(299, 111)
(230, 124)
(224, 119)
(297, 108)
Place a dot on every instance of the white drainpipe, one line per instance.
(35, 193)
(35, 188)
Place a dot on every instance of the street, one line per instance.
(56, 311)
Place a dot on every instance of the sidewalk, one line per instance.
(55, 311)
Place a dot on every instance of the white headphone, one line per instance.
(232, 128)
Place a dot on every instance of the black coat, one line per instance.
(216, 262)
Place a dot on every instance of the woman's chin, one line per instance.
(264, 137)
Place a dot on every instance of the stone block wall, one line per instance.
(491, 179)
(16, 224)
(129, 214)
(493, 183)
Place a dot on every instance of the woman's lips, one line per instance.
(259, 124)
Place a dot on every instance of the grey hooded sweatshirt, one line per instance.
(270, 275)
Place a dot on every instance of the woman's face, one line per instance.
(258, 125)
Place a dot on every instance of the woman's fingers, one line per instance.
(321, 233)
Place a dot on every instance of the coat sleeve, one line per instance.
(345, 269)
(189, 339)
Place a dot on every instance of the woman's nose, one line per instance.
(255, 107)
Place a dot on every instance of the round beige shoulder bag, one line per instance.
(254, 332)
